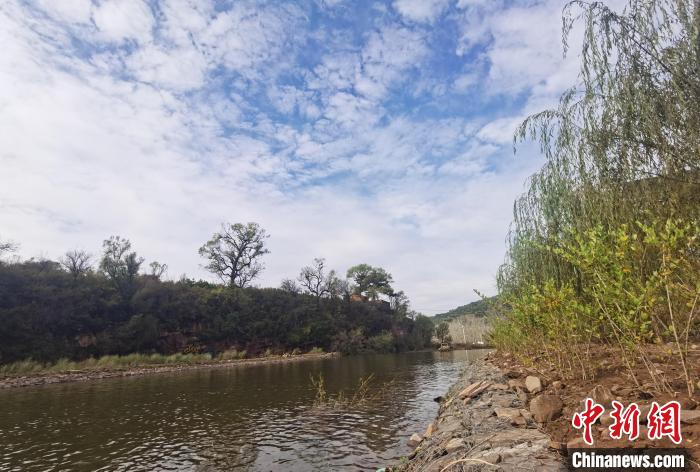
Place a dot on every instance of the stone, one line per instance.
(602, 395)
(492, 458)
(533, 384)
(557, 445)
(429, 432)
(511, 414)
(558, 385)
(643, 413)
(499, 386)
(515, 384)
(577, 443)
(526, 414)
(522, 396)
(606, 420)
(474, 389)
(454, 444)
(546, 407)
(690, 416)
(415, 440)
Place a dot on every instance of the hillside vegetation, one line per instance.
(604, 250)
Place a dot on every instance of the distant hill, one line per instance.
(477, 309)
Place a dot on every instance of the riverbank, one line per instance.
(44, 378)
(501, 415)
(482, 424)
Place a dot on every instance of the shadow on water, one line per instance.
(244, 418)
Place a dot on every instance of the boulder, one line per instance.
(533, 384)
(546, 407)
(690, 416)
(602, 395)
(415, 440)
(431, 429)
(454, 444)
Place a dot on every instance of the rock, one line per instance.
(512, 414)
(533, 384)
(499, 386)
(690, 416)
(643, 413)
(438, 399)
(429, 432)
(687, 403)
(526, 414)
(454, 444)
(607, 420)
(577, 443)
(515, 384)
(492, 458)
(415, 440)
(558, 385)
(557, 445)
(522, 396)
(602, 395)
(546, 407)
(474, 389)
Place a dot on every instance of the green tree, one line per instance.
(442, 332)
(370, 281)
(121, 265)
(234, 253)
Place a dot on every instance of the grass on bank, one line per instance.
(115, 362)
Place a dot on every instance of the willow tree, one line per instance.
(622, 147)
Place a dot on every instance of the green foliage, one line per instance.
(371, 281)
(47, 314)
(603, 246)
(478, 308)
(442, 332)
(234, 253)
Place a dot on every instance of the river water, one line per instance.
(255, 418)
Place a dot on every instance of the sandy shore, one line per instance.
(97, 374)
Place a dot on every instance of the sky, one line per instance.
(359, 131)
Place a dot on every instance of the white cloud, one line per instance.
(118, 20)
(420, 10)
(157, 138)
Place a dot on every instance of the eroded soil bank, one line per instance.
(96, 374)
(503, 416)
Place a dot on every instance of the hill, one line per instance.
(477, 309)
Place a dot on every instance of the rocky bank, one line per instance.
(488, 422)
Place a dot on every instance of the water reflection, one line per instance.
(244, 418)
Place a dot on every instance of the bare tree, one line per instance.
(7, 247)
(77, 262)
(234, 253)
(158, 270)
(313, 279)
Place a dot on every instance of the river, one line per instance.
(255, 418)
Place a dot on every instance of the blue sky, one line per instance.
(370, 131)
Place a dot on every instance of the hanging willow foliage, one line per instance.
(622, 153)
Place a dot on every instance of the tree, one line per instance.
(234, 253)
(77, 262)
(158, 269)
(371, 281)
(319, 284)
(7, 246)
(120, 264)
(442, 332)
(289, 285)
(424, 328)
